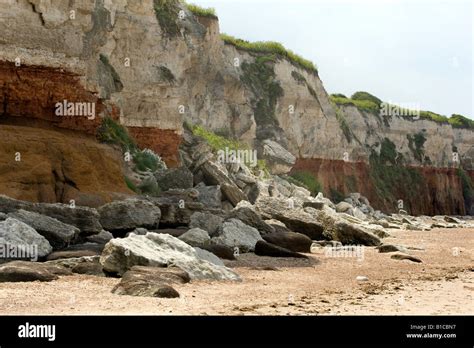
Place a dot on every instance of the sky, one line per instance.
(410, 52)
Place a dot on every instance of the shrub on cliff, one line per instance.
(270, 47)
(166, 12)
(460, 121)
(202, 12)
(365, 96)
(110, 132)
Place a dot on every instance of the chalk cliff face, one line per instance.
(152, 78)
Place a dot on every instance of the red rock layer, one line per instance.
(439, 193)
(164, 142)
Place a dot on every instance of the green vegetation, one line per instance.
(415, 144)
(217, 142)
(166, 74)
(365, 96)
(202, 12)
(270, 47)
(343, 123)
(460, 121)
(166, 12)
(307, 180)
(259, 76)
(467, 186)
(367, 102)
(110, 132)
(336, 196)
(391, 179)
(131, 185)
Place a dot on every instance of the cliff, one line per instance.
(153, 65)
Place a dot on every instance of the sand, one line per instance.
(322, 285)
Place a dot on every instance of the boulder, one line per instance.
(263, 248)
(405, 257)
(206, 221)
(25, 271)
(85, 219)
(129, 214)
(292, 241)
(22, 241)
(89, 265)
(296, 219)
(246, 213)
(151, 282)
(234, 233)
(177, 207)
(344, 207)
(348, 233)
(222, 251)
(174, 178)
(389, 248)
(195, 237)
(210, 196)
(279, 159)
(313, 204)
(101, 238)
(59, 255)
(214, 174)
(58, 234)
(208, 256)
(161, 250)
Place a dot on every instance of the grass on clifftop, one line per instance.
(201, 11)
(369, 103)
(270, 47)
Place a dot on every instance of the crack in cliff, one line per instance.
(40, 14)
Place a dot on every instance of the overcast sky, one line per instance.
(403, 51)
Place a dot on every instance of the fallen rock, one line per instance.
(101, 238)
(25, 271)
(279, 159)
(234, 233)
(208, 256)
(246, 213)
(151, 282)
(263, 248)
(214, 174)
(206, 221)
(58, 255)
(195, 237)
(344, 207)
(129, 214)
(313, 204)
(22, 241)
(174, 178)
(89, 265)
(362, 279)
(405, 257)
(85, 219)
(161, 250)
(210, 196)
(222, 251)
(292, 241)
(58, 234)
(389, 248)
(348, 233)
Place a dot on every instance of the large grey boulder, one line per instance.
(293, 241)
(234, 233)
(59, 234)
(160, 250)
(25, 271)
(85, 219)
(206, 221)
(215, 174)
(175, 178)
(295, 218)
(348, 233)
(208, 256)
(210, 196)
(129, 214)
(21, 239)
(89, 265)
(195, 237)
(263, 248)
(279, 159)
(246, 213)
